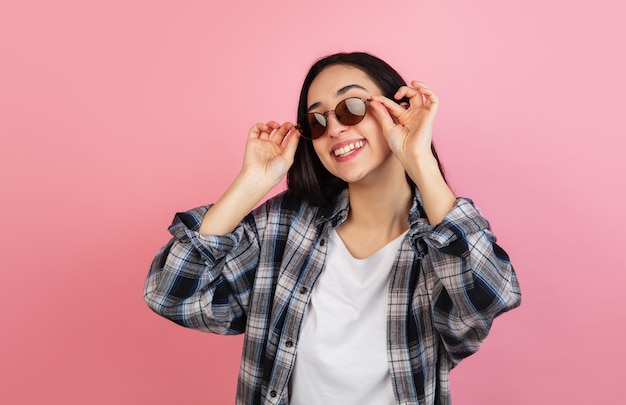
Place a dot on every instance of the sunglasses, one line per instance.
(350, 112)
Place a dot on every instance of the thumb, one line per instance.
(293, 137)
(383, 116)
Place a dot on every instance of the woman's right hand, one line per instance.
(269, 152)
(268, 156)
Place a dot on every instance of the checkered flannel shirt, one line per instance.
(448, 283)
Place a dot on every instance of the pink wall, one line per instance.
(114, 116)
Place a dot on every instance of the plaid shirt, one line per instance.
(448, 283)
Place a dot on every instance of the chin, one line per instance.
(352, 178)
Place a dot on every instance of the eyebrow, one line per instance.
(339, 92)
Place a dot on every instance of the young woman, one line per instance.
(368, 279)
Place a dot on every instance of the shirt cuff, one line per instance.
(212, 248)
(464, 219)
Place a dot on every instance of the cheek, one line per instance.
(320, 148)
(373, 131)
(370, 126)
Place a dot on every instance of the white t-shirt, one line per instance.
(342, 349)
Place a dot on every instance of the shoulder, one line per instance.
(284, 208)
(287, 209)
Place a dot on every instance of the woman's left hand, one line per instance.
(408, 130)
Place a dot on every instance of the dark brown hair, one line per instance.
(307, 178)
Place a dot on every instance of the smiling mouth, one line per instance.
(347, 149)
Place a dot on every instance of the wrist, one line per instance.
(254, 179)
(420, 161)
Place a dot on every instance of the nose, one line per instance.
(334, 128)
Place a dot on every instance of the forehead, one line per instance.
(328, 85)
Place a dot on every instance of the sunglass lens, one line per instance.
(317, 124)
(348, 112)
(351, 111)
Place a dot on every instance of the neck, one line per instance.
(382, 206)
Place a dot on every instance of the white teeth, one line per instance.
(348, 148)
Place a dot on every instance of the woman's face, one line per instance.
(351, 153)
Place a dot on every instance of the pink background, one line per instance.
(114, 115)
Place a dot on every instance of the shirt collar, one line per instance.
(336, 212)
(417, 212)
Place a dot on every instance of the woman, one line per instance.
(368, 279)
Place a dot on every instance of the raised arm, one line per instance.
(409, 132)
(202, 278)
(269, 154)
(471, 279)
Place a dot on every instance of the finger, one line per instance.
(428, 94)
(393, 107)
(385, 112)
(270, 126)
(419, 85)
(431, 101)
(413, 94)
(273, 124)
(291, 144)
(257, 129)
(279, 135)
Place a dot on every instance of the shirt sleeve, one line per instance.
(471, 277)
(204, 281)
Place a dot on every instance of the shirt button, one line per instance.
(289, 343)
(322, 242)
(185, 239)
(303, 290)
(273, 394)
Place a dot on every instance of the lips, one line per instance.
(347, 149)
